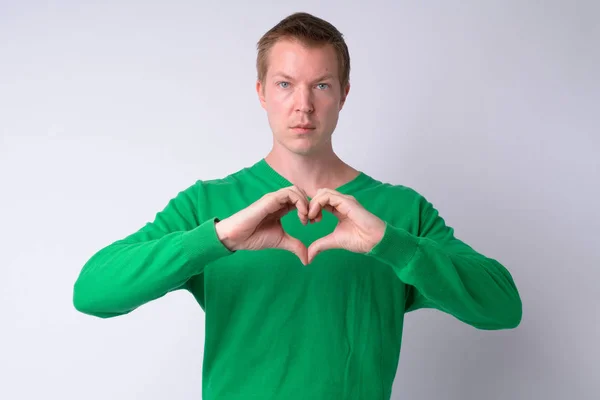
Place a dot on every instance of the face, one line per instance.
(302, 96)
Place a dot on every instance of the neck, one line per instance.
(311, 172)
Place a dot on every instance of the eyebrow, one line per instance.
(320, 79)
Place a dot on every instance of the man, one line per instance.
(306, 304)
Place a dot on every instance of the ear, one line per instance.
(260, 90)
(344, 95)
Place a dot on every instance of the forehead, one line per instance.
(296, 59)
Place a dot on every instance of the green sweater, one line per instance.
(276, 329)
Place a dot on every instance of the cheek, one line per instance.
(276, 111)
(278, 104)
(328, 107)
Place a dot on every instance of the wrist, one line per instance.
(378, 234)
(224, 235)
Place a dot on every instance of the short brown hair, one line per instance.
(310, 31)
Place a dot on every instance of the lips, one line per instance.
(303, 129)
(303, 126)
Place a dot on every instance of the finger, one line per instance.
(332, 210)
(283, 201)
(302, 205)
(299, 200)
(295, 246)
(325, 243)
(301, 191)
(322, 200)
(329, 208)
(283, 211)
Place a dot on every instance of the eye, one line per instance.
(323, 86)
(283, 85)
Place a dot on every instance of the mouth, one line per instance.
(303, 128)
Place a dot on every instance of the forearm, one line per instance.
(454, 278)
(131, 272)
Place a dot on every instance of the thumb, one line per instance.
(295, 246)
(325, 243)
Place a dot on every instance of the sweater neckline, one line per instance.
(262, 168)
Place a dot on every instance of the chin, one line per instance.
(304, 152)
(303, 146)
(305, 149)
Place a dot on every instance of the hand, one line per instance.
(358, 230)
(258, 226)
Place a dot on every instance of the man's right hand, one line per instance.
(258, 226)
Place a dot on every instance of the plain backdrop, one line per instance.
(108, 109)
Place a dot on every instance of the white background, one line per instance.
(107, 110)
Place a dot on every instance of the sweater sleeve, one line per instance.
(444, 273)
(159, 258)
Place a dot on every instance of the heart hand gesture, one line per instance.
(258, 226)
(358, 230)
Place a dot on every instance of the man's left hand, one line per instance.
(358, 230)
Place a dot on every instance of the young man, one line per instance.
(306, 304)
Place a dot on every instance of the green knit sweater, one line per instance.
(276, 329)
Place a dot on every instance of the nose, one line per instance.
(303, 100)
